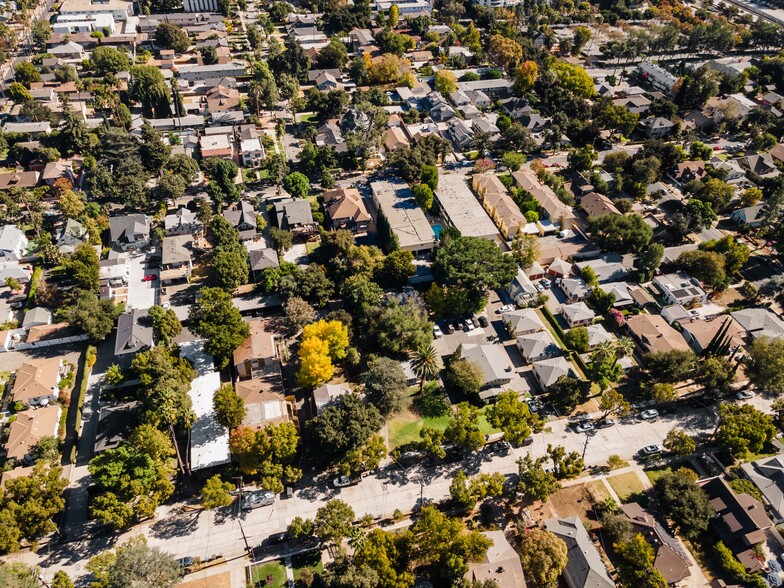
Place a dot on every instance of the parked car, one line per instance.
(257, 498)
(483, 322)
(651, 449)
(650, 414)
(458, 325)
(437, 332)
(545, 282)
(584, 427)
(149, 278)
(745, 395)
(505, 308)
(450, 328)
(341, 481)
(468, 325)
(604, 423)
(185, 562)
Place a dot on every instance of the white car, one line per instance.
(437, 332)
(745, 395)
(584, 427)
(545, 282)
(342, 481)
(468, 326)
(650, 414)
(505, 308)
(651, 449)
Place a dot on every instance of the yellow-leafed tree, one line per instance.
(334, 333)
(315, 363)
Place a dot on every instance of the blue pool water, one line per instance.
(437, 229)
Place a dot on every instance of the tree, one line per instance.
(397, 328)
(467, 493)
(513, 417)
(574, 79)
(743, 429)
(463, 428)
(165, 324)
(637, 564)
(333, 521)
(183, 166)
(394, 15)
(429, 176)
(445, 82)
(344, 426)
(670, 366)
(134, 563)
(299, 313)
(170, 36)
(765, 364)
(229, 268)
(229, 407)
(525, 76)
(751, 196)
(281, 239)
(425, 364)
(613, 402)
(216, 493)
(82, 268)
(297, 185)
(385, 385)
(315, 363)
(577, 339)
(603, 369)
(679, 443)
(149, 88)
(525, 249)
(716, 373)
(423, 195)
(621, 234)
(649, 259)
(535, 482)
(222, 173)
(60, 578)
(565, 394)
(504, 52)
(464, 376)
(26, 73)
(470, 266)
(706, 266)
(108, 60)
(543, 555)
(582, 159)
(19, 93)
(686, 503)
(267, 454)
(662, 393)
(215, 318)
(90, 315)
(47, 449)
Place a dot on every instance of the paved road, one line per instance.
(204, 534)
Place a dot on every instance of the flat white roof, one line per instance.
(209, 439)
(406, 218)
(463, 209)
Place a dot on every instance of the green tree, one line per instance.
(686, 503)
(765, 364)
(61, 580)
(613, 402)
(429, 176)
(679, 443)
(577, 339)
(535, 482)
(229, 407)
(574, 79)
(90, 315)
(215, 318)
(445, 82)
(463, 428)
(565, 394)
(637, 564)
(281, 239)
(108, 60)
(344, 426)
(706, 266)
(82, 268)
(397, 268)
(26, 73)
(649, 259)
(543, 555)
(716, 373)
(216, 493)
(670, 367)
(743, 429)
(425, 364)
(621, 234)
(148, 87)
(297, 185)
(385, 385)
(512, 416)
(139, 565)
(229, 268)
(464, 376)
(170, 36)
(424, 196)
(165, 324)
(333, 521)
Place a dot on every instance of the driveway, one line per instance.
(141, 294)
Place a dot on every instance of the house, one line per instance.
(295, 216)
(28, 128)
(655, 127)
(405, 218)
(13, 243)
(670, 559)
(69, 50)
(395, 138)
(734, 172)
(37, 383)
(29, 428)
(700, 333)
(560, 268)
(552, 208)
(257, 351)
(119, 9)
(131, 231)
(221, 146)
(654, 335)
(182, 222)
(575, 289)
(621, 291)
(73, 234)
(679, 288)
(607, 268)
(547, 371)
(242, 216)
(494, 362)
(657, 77)
(538, 345)
(116, 422)
(346, 210)
(58, 170)
(37, 316)
(19, 179)
(749, 215)
(198, 73)
(584, 566)
(176, 261)
(767, 474)
(521, 289)
(327, 395)
(637, 104)
(596, 205)
(759, 322)
(134, 334)
(597, 335)
(501, 564)
(326, 82)
(499, 204)
(578, 314)
(251, 152)
(460, 133)
(523, 321)
(264, 399)
(261, 259)
(221, 98)
(740, 521)
(687, 171)
(759, 166)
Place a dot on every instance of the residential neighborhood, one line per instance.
(452, 293)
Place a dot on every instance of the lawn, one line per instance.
(274, 571)
(626, 485)
(656, 473)
(598, 490)
(310, 560)
(404, 428)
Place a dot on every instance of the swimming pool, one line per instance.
(437, 229)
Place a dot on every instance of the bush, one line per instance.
(432, 402)
(729, 564)
(91, 355)
(614, 462)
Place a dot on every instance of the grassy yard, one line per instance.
(404, 428)
(310, 560)
(598, 490)
(274, 571)
(655, 474)
(626, 485)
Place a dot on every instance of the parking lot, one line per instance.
(141, 293)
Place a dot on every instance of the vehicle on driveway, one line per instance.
(584, 427)
(149, 278)
(483, 322)
(649, 415)
(450, 328)
(545, 282)
(745, 395)
(185, 562)
(651, 450)
(505, 308)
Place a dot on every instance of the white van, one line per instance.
(255, 498)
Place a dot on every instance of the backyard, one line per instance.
(269, 575)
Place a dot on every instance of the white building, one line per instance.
(497, 3)
(406, 7)
(13, 243)
(119, 9)
(197, 73)
(680, 289)
(659, 78)
(462, 210)
(83, 23)
(252, 152)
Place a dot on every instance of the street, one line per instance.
(202, 534)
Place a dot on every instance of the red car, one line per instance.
(149, 278)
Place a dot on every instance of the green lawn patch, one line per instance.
(269, 575)
(626, 485)
(404, 428)
(310, 560)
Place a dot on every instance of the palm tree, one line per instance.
(605, 349)
(425, 363)
(624, 347)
